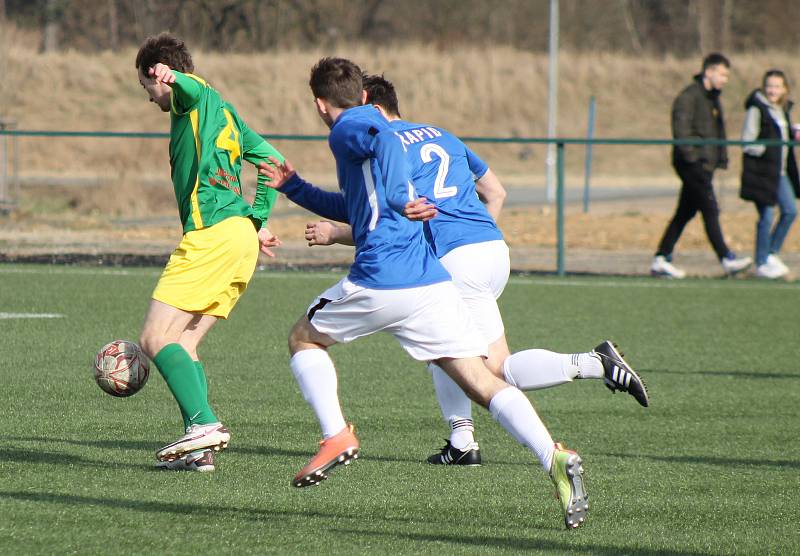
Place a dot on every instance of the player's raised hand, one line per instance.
(420, 210)
(276, 171)
(320, 233)
(162, 74)
(267, 239)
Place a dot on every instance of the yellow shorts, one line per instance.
(210, 268)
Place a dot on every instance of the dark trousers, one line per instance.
(697, 194)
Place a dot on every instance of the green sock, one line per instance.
(180, 373)
(201, 376)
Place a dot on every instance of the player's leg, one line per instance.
(190, 340)
(481, 285)
(202, 282)
(441, 329)
(315, 373)
(342, 313)
(480, 272)
(456, 407)
(160, 339)
(515, 413)
(534, 369)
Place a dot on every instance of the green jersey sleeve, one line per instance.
(186, 92)
(255, 150)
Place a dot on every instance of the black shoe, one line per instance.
(619, 375)
(453, 456)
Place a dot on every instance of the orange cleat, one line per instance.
(342, 448)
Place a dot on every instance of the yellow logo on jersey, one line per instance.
(228, 138)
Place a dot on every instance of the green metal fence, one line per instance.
(560, 142)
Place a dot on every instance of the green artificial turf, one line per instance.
(711, 467)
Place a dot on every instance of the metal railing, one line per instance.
(560, 143)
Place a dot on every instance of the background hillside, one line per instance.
(497, 91)
(482, 77)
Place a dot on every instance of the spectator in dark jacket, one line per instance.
(769, 173)
(697, 114)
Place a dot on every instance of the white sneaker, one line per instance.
(775, 262)
(198, 437)
(735, 266)
(201, 461)
(769, 271)
(662, 267)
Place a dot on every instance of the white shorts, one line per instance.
(429, 321)
(480, 272)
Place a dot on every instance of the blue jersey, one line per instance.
(444, 171)
(391, 251)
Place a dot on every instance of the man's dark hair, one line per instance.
(338, 81)
(715, 59)
(381, 91)
(166, 49)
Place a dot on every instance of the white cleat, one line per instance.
(198, 437)
(201, 461)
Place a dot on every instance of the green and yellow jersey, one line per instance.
(208, 141)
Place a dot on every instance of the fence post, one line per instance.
(560, 209)
(5, 199)
(588, 171)
(15, 164)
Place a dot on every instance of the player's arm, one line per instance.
(256, 150)
(490, 191)
(327, 204)
(400, 194)
(328, 233)
(186, 90)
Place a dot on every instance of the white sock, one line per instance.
(456, 407)
(316, 376)
(534, 369)
(512, 409)
(589, 365)
(461, 433)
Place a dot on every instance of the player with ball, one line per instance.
(222, 235)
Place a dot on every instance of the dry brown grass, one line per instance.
(498, 92)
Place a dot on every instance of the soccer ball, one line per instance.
(121, 369)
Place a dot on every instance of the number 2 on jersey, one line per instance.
(440, 190)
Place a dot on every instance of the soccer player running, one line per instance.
(396, 284)
(465, 237)
(222, 235)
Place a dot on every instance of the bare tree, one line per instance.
(51, 15)
(630, 25)
(712, 24)
(113, 25)
(726, 17)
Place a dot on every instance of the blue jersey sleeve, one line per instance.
(327, 204)
(477, 166)
(391, 159)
